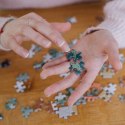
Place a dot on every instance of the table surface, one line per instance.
(96, 113)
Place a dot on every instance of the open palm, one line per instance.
(96, 48)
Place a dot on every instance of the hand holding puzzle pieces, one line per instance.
(59, 104)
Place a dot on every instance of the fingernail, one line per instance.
(26, 54)
(61, 43)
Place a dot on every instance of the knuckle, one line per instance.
(23, 29)
(32, 14)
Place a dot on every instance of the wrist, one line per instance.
(2, 30)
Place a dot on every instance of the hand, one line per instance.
(33, 27)
(96, 48)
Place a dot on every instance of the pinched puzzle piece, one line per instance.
(66, 111)
(11, 104)
(33, 50)
(110, 89)
(26, 111)
(23, 77)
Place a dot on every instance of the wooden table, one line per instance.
(96, 113)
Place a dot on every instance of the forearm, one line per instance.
(115, 20)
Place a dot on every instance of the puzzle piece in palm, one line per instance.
(26, 111)
(20, 86)
(23, 77)
(11, 104)
(110, 89)
(74, 55)
(78, 68)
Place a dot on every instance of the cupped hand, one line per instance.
(96, 49)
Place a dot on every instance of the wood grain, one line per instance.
(97, 113)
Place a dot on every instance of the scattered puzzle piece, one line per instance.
(11, 104)
(121, 97)
(66, 111)
(72, 20)
(26, 111)
(1, 116)
(20, 87)
(23, 77)
(110, 89)
(5, 63)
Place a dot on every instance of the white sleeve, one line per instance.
(115, 20)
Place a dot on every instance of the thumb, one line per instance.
(61, 27)
(113, 57)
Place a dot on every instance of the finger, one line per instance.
(35, 16)
(85, 84)
(113, 56)
(54, 62)
(61, 27)
(36, 37)
(50, 33)
(17, 48)
(61, 85)
(21, 38)
(55, 70)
